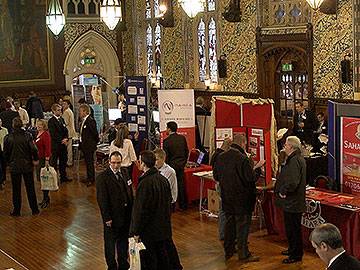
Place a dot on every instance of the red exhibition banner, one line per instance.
(350, 155)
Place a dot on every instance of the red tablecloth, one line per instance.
(346, 220)
(191, 182)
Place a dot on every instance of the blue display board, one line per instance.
(137, 108)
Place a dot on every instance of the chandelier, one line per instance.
(192, 7)
(315, 4)
(110, 13)
(55, 18)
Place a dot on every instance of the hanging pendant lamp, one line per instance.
(55, 18)
(192, 7)
(110, 13)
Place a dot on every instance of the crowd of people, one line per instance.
(144, 212)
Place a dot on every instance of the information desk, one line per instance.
(340, 209)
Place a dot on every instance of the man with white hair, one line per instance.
(290, 196)
(327, 241)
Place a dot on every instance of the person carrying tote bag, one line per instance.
(43, 143)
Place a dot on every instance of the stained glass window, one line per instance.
(212, 51)
(156, 8)
(153, 39)
(148, 9)
(149, 51)
(202, 50)
(211, 5)
(158, 51)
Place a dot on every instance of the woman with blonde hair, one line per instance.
(43, 143)
(123, 145)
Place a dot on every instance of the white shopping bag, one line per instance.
(48, 179)
(134, 254)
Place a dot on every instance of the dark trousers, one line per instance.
(116, 239)
(3, 168)
(182, 198)
(59, 153)
(90, 168)
(155, 256)
(237, 227)
(30, 190)
(293, 233)
(174, 259)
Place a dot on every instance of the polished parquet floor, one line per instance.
(68, 235)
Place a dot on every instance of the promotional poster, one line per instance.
(350, 155)
(178, 106)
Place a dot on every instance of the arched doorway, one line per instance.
(93, 54)
(285, 71)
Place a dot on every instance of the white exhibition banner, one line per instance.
(178, 106)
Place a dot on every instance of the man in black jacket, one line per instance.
(115, 199)
(21, 155)
(59, 139)
(236, 174)
(150, 220)
(8, 116)
(305, 123)
(327, 241)
(177, 152)
(89, 138)
(290, 196)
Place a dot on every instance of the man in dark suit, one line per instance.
(327, 241)
(59, 139)
(177, 152)
(115, 199)
(21, 155)
(150, 220)
(236, 175)
(7, 116)
(305, 123)
(89, 138)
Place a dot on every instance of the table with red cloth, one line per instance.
(346, 219)
(191, 182)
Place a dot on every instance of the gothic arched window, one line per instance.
(153, 37)
(207, 43)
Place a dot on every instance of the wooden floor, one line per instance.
(68, 235)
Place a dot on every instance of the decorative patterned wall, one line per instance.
(172, 47)
(333, 39)
(238, 42)
(128, 40)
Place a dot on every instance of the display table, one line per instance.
(192, 183)
(342, 210)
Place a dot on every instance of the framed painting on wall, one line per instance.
(25, 57)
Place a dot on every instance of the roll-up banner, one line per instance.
(178, 106)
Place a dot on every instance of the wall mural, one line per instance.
(24, 43)
(238, 42)
(333, 39)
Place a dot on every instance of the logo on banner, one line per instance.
(168, 106)
(357, 134)
(312, 217)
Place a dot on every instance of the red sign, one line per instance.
(350, 155)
